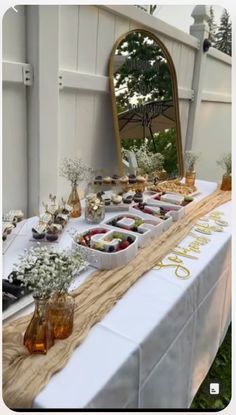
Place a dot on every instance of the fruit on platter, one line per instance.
(127, 222)
(111, 243)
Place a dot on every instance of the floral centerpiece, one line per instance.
(190, 159)
(75, 170)
(48, 274)
(226, 163)
(148, 163)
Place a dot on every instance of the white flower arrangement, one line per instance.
(190, 159)
(45, 271)
(226, 163)
(75, 170)
(147, 161)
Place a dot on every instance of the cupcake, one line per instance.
(141, 182)
(138, 197)
(8, 227)
(116, 199)
(18, 214)
(38, 235)
(115, 179)
(141, 179)
(132, 179)
(98, 180)
(128, 199)
(107, 201)
(107, 180)
(4, 236)
(124, 180)
(51, 237)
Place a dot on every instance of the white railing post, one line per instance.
(43, 103)
(199, 29)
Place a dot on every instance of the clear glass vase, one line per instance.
(74, 201)
(190, 177)
(61, 314)
(39, 336)
(226, 183)
(94, 212)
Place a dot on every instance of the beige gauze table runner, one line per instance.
(24, 375)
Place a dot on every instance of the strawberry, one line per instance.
(97, 231)
(146, 210)
(123, 245)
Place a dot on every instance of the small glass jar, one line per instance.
(226, 183)
(94, 209)
(190, 177)
(61, 314)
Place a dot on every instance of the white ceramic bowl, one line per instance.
(152, 227)
(107, 260)
(176, 211)
(165, 223)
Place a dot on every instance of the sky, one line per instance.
(180, 16)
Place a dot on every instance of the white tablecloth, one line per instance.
(155, 347)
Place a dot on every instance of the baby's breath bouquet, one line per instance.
(147, 161)
(45, 271)
(190, 159)
(75, 170)
(226, 163)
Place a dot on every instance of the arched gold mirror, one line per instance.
(145, 99)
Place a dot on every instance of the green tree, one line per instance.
(144, 74)
(224, 34)
(212, 26)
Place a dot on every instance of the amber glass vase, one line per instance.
(190, 177)
(226, 183)
(61, 314)
(39, 335)
(74, 201)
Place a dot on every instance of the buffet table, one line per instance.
(155, 347)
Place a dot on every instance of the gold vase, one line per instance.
(226, 183)
(190, 177)
(39, 336)
(74, 202)
(61, 314)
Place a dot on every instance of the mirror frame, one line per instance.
(170, 63)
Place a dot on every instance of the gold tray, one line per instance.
(174, 186)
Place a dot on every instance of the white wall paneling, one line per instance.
(67, 109)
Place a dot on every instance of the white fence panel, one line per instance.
(71, 57)
(213, 133)
(14, 115)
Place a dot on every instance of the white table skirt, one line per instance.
(155, 347)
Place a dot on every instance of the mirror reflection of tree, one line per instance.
(144, 100)
(143, 74)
